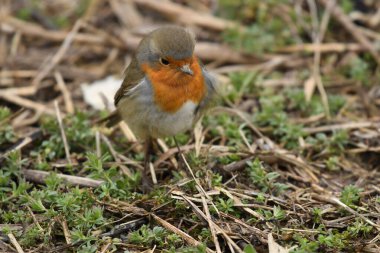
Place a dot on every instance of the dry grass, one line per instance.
(290, 153)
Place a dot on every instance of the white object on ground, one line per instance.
(99, 94)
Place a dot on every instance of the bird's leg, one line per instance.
(180, 154)
(146, 182)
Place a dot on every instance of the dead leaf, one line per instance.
(275, 247)
(309, 87)
(100, 93)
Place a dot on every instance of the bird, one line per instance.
(165, 91)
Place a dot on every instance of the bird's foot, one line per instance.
(147, 184)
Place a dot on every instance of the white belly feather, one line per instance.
(168, 124)
(146, 119)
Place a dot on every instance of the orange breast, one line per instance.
(172, 88)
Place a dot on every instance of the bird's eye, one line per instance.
(164, 61)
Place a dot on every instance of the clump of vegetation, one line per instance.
(300, 159)
(273, 114)
(350, 195)
(78, 132)
(156, 236)
(265, 32)
(6, 131)
(266, 181)
(358, 70)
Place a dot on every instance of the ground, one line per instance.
(288, 159)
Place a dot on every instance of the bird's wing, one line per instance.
(132, 76)
(211, 95)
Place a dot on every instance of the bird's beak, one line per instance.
(186, 69)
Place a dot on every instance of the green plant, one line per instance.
(359, 227)
(305, 246)
(31, 236)
(317, 215)
(158, 235)
(265, 34)
(273, 114)
(332, 163)
(6, 131)
(314, 106)
(242, 83)
(249, 249)
(350, 195)
(264, 180)
(278, 213)
(226, 206)
(263, 40)
(333, 145)
(78, 133)
(229, 125)
(358, 70)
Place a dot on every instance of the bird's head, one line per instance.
(168, 52)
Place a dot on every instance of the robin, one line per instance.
(165, 89)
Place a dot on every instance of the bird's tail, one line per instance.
(111, 120)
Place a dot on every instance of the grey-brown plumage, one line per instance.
(165, 89)
(167, 41)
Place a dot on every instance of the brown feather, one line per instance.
(111, 120)
(132, 76)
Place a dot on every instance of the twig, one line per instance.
(238, 202)
(91, 9)
(17, 73)
(237, 165)
(105, 247)
(211, 225)
(174, 151)
(126, 12)
(34, 30)
(153, 173)
(189, 239)
(124, 227)
(66, 231)
(127, 132)
(15, 243)
(116, 156)
(343, 126)
(184, 15)
(322, 48)
(241, 115)
(35, 219)
(22, 143)
(38, 176)
(97, 141)
(218, 229)
(23, 102)
(63, 135)
(200, 188)
(265, 66)
(260, 234)
(165, 149)
(298, 162)
(352, 29)
(275, 247)
(58, 55)
(318, 38)
(334, 200)
(208, 51)
(65, 92)
(15, 44)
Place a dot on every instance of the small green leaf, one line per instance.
(249, 249)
